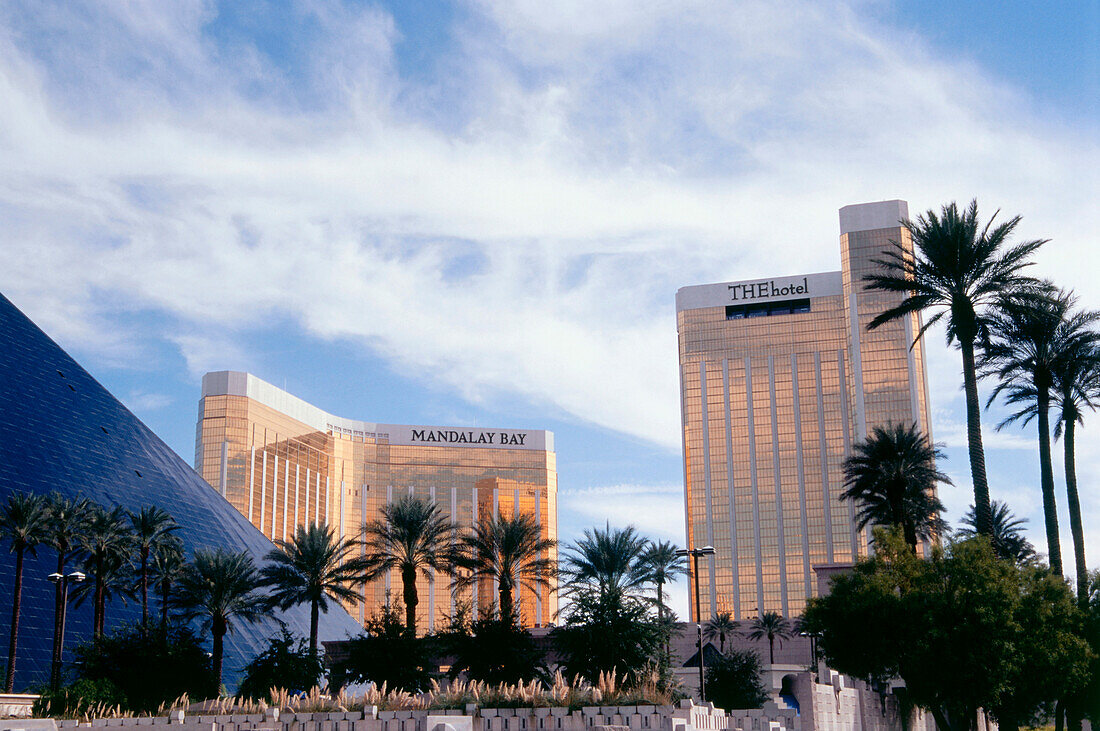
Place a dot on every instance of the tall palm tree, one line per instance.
(511, 551)
(168, 565)
(151, 525)
(313, 566)
(718, 626)
(412, 536)
(661, 564)
(1076, 387)
(892, 476)
(23, 524)
(958, 269)
(219, 587)
(107, 543)
(1028, 334)
(773, 626)
(115, 578)
(609, 560)
(67, 519)
(1008, 539)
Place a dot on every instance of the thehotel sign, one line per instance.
(775, 289)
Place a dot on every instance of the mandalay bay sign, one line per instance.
(451, 436)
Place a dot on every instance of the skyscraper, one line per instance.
(779, 377)
(283, 462)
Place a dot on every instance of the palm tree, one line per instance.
(151, 525)
(958, 269)
(1028, 334)
(313, 566)
(107, 543)
(1076, 386)
(167, 567)
(609, 561)
(412, 536)
(511, 551)
(23, 525)
(774, 627)
(661, 565)
(892, 476)
(219, 587)
(65, 525)
(1008, 539)
(718, 626)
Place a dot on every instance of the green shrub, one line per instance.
(733, 681)
(83, 699)
(282, 665)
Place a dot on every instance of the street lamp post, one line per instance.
(59, 640)
(695, 553)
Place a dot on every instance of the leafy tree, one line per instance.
(107, 543)
(511, 551)
(964, 630)
(1090, 703)
(285, 664)
(23, 523)
(717, 627)
(314, 566)
(1028, 334)
(65, 524)
(609, 560)
(1008, 540)
(497, 651)
(147, 668)
(167, 567)
(773, 626)
(387, 653)
(733, 681)
(412, 536)
(958, 269)
(892, 476)
(608, 632)
(151, 526)
(219, 588)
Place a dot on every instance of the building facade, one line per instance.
(779, 377)
(283, 463)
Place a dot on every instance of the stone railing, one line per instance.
(16, 705)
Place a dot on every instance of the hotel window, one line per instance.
(785, 307)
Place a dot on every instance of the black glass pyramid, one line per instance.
(61, 430)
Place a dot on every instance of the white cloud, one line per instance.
(585, 164)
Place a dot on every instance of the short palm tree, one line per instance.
(412, 536)
(510, 550)
(107, 545)
(314, 566)
(167, 564)
(151, 525)
(23, 524)
(609, 560)
(66, 521)
(958, 269)
(1029, 333)
(661, 565)
(718, 626)
(773, 626)
(219, 588)
(892, 477)
(1008, 539)
(1076, 387)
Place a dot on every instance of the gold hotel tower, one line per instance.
(283, 462)
(778, 378)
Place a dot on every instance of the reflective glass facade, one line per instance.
(62, 431)
(282, 462)
(778, 378)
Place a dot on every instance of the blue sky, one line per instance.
(479, 212)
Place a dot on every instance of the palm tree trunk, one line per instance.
(1075, 516)
(313, 619)
(98, 610)
(144, 587)
(507, 608)
(164, 607)
(983, 516)
(408, 588)
(17, 599)
(1046, 478)
(58, 606)
(771, 649)
(218, 627)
